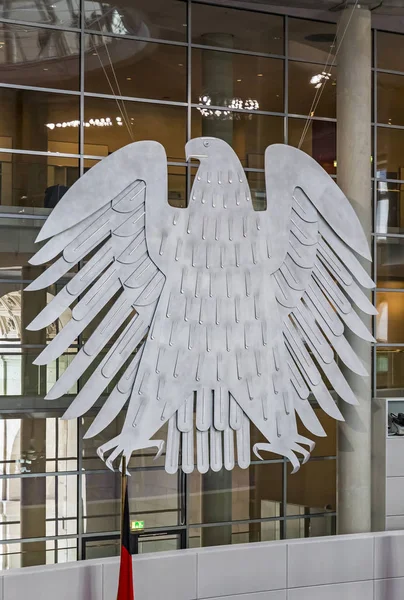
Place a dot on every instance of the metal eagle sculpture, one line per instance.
(221, 315)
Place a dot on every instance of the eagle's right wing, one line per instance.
(101, 220)
(315, 238)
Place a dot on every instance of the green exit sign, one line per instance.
(136, 525)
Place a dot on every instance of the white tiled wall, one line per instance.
(361, 567)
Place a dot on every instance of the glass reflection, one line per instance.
(390, 371)
(390, 320)
(390, 149)
(319, 140)
(390, 51)
(59, 12)
(249, 134)
(153, 498)
(237, 80)
(238, 533)
(310, 527)
(313, 488)
(390, 262)
(254, 493)
(247, 30)
(311, 40)
(390, 97)
(160, 19)
(303, 79)
(39, 121)
(133, 121)
(389, 207)
(135, 68)
(39, 57)
(34, 184)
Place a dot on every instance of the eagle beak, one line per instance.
(191, 151)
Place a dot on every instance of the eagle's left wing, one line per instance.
(102, 223)
(315, 235)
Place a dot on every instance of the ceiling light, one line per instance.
(180, 64)
(260, 75)
(238, 80)
(319, 79)
(129, 79)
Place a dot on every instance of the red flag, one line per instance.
(125, 586)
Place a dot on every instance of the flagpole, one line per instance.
(123, 492)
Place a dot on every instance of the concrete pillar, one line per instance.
(354, 178)
(217, 83)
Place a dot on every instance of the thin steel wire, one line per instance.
(321, 89)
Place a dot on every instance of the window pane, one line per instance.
(159, 543)
(390, 51)
(390, 371)
(390, 207)
(28, 554)
(241, 29)
(390, 153)
(242, 533)
(237, 80)
(165, 124)
(311, 40)
(165, 19)
(153, 498)
(253, 493)
(248, 134)
(99, 548)
(303, 79)
(319, 141)
(390, 95)
(390, 262)
(61, 13)
(390, 320)
(305, 493)
(29, 506)
(35, 183)
(134, 68)
(39, 121)
(310, 527)
(39, 57)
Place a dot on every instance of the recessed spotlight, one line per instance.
(184, 25)
(129, 79)
(260, 75)
(46, 69)
(180, 64)
(238, 80)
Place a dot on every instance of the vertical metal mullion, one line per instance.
(374, 197)
(79, 476)
(82, 67)
(79, 465)
(282, 524)
(189, 71)
(56, 488)
(286, 80)
(188, 192)
(189, 93)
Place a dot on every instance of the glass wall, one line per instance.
(389, 213)
(77, 83)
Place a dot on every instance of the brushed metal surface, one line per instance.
(218, 315)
